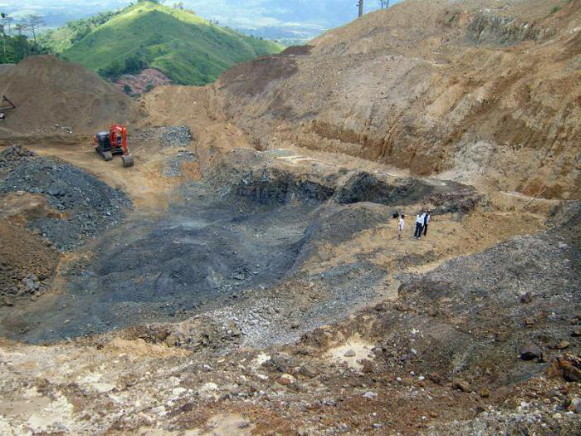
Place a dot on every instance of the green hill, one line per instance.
(185, 47)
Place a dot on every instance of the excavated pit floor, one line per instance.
(243, 247)
(203, 253)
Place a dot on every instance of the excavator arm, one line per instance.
(6, 104)
(118, 138)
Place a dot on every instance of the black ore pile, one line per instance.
(14, 156)
(90, 206)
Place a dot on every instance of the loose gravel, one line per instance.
(90, 206)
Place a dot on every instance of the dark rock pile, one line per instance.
(518, 301)
(13, 156)
(89, 205)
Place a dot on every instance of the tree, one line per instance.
(134, 64)
(3, 16)
(360, 5)
(20, 28)
(112, 71)
(8, 20)
(5, 21)
(15, 48)
(384, 4)
(33, 22)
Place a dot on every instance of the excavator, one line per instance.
(5, 104)
(113, 142)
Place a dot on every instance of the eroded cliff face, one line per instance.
(485, 92)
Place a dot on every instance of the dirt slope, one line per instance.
(481, 90)
(56, 98)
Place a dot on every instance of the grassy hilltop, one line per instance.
(185, 47)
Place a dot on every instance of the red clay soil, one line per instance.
(139, 83)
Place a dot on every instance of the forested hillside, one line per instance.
(185, 47)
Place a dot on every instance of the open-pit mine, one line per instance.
(248, 274)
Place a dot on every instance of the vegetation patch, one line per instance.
(177, 42)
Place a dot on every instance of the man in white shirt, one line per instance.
(419, 225)
(427, 218)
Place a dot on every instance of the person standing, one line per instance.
(419, 225)
(427, 218)
(401, 226)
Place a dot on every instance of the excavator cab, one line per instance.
(102, 141)
(114, 142)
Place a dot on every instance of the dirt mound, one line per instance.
(88, 206)
(27, 262)
(54, 97)
(483, 91)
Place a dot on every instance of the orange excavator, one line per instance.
(114, 142)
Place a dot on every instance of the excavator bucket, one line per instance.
(127, 160)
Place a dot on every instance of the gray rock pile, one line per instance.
(173, 167)
(167, 136)
(13, 156)
(90, 206)
(176, 136)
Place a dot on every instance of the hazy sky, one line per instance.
(244, 14)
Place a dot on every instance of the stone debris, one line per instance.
(167, 136)
(530, 352)
(89, 206)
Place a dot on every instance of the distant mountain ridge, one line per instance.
(179, 43)
(274, 19)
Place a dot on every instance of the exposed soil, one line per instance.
(143, 82)
(197, 256)
(443, 364)
(482, 91)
